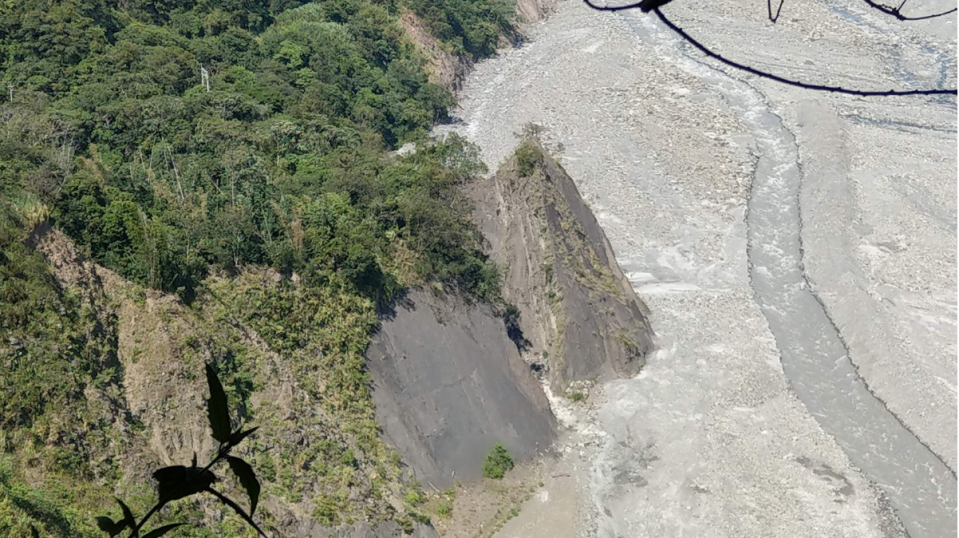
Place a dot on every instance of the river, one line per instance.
(797, 251)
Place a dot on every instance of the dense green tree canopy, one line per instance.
(282, 162)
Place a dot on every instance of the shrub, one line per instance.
(498, 461)
(406, 524)
(532, 130)
(444, 509)
(414, 495)
(422, 519)
(527, 158)
(325, 510)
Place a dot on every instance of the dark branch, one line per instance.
(236, 508)
(895, 12)
(136, 530)
(645, 5)
(769, 7)
(736, 65)
(763, 74)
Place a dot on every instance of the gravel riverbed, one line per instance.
(786, 242)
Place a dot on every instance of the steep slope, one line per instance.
(577, 311)
(446, 67)
(321, 466)
(450, 378)
(449, 384)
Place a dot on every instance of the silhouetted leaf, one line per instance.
(248, 480)
(114, 528)
(176, 482)
(33, 531)
(236, 508)
(160, 531)
(217, 407)
(236, 437)
(128, 519)
(174, 473)
(105, 524)
(110, 527)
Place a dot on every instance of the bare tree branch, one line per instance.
(808, 86)
(769, 7)
(644, 5)
(895, 11)
(736, 65)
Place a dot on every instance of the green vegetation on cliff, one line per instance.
(498, 461)
(268, 202)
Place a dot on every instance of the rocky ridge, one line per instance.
(580, 318)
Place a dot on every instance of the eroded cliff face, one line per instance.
(448, 384)
(450, 379)
(579, 315)
(445, 68)
(448, 69)
(531, 11)
(154, 414)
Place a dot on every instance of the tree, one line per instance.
(498, 461)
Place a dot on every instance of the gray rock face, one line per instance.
(448, 380)
(574, 302)
(448, 384)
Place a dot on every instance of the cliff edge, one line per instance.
(579, 316)
(449, 384)
(451, 378)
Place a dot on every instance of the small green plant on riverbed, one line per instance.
(498, 461)
(439, 503)
(179, 482)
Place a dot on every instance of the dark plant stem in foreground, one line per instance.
(179, 482)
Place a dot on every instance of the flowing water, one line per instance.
(708, 440)
(815, 360)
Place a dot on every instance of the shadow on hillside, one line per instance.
(387, 310)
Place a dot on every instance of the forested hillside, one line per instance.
(268, 203)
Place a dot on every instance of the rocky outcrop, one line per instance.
(448, 384)
(580, 317)
(530, 11)
(449, 69)
(450, 379)
(445, 68)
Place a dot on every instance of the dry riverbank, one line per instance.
(710, 439)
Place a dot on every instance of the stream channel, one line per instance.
(919, 487)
